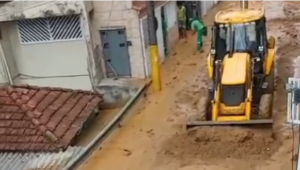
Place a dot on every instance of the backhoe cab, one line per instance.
(241, 69)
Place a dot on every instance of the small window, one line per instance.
(50, 29)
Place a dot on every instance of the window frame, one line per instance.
(50, 33)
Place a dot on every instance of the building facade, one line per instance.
(76, 44)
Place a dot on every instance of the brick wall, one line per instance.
(112, 13)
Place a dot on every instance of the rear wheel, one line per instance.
(202, 104)
(270, 80)
(266, 100)
(265, 106)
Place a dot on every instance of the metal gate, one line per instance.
(116, 54)
(293, 101)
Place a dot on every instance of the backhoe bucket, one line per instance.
(192, 122)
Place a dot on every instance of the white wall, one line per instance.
(44, 64)
(170, 11)
(120, 13)
(173, 31)
(206, 6)
(145, 42)
(8, 52)
(159, 35)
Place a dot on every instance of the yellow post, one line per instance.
(155, 67)
(155, 63)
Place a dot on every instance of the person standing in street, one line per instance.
(181, 15)
(198, 27)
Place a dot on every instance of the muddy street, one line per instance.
(154, 137)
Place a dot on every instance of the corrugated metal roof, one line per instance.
(38, 161)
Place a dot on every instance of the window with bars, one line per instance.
(50, 29)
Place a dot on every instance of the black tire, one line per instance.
(266, 100)
(202, 108)
(270, 80)
(209, 112)
(265, 106)
(202, 104)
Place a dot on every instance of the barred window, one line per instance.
(50, 29)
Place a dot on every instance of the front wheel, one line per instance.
(265, 106)
(202, 105)
(270, 80)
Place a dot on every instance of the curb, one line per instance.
(106, 131)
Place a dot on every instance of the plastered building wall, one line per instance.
(118, 14)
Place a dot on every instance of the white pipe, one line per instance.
(6, 65)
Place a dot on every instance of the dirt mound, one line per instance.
(210, 143)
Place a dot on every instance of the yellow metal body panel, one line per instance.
(239, 16)
(269, 62)
(232, 118)
(232, 110)
(215, 105)
(234, 69)
(209, 65)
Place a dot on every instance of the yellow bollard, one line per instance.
(155, 68)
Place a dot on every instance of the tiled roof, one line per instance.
(42, 118)
(141, 6)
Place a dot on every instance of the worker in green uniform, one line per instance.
(181, 15)
(199, 27)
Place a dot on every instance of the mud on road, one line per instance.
(155, 137)
(217, 145)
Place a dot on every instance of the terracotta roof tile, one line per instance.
(141, 6)
(42, 118)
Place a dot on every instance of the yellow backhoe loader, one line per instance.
(241, 70)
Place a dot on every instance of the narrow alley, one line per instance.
(154, 136)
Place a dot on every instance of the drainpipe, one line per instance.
(3, 58)
(244, 4)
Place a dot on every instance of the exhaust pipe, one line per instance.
(244, 4)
